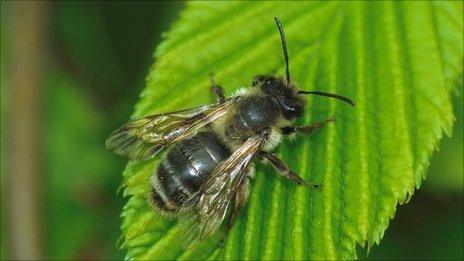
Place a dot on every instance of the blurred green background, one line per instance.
(91, 59)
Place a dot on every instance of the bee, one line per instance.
(206, 172)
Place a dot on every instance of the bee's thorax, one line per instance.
(252, 115)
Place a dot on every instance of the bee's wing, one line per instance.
(219, 189)
(142, 138)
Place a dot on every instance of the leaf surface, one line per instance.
(398, 60)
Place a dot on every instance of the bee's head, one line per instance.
(281, 89)
(290, 101)
(288, 96)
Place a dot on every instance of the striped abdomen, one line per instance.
(184, 169)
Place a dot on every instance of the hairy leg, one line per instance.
(217, 90)
(285, 171)
(240, 200)
(306, 129)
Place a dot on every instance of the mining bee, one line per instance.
(206, 172)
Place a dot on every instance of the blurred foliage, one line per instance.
(397, 60)
(99, 55)
(93, 41)
(95, 70)
(80, 209)
(430, 227)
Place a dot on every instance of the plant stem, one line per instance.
(25, 68)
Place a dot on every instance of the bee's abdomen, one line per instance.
(184, 169)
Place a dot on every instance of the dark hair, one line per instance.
(290, 102)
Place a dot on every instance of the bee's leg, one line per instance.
(306, 129)
(240, 199)
(285, 171)
(217, 90)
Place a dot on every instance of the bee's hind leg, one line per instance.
(285, 171)
(240, 200)
(306, 129)
(217, 90)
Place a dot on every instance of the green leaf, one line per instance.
(398, 60)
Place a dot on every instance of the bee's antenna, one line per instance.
(326, 94)
(284, 47)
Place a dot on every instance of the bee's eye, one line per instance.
(291, 108)
(271, 83)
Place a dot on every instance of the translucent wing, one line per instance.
(219, 190)
(142, 138)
